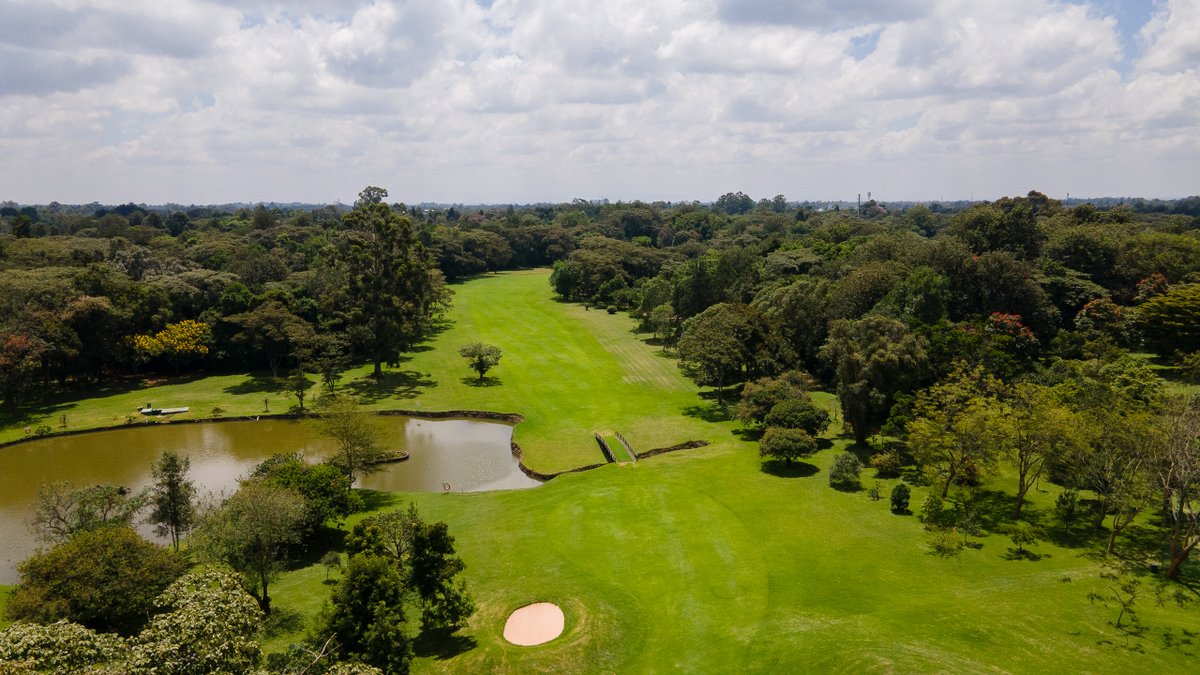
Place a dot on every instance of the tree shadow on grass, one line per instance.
(1023, 554)
(441, 644)
(709, 413)
(482, 381)
(374, 500)
(749, 434)
(282, 621)
(783, 469)
(393, 384)
(261, 383)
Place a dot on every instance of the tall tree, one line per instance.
(20, 358)
(171, 496)
(1035, 429)
(251, 532)
(274, 331)
(717, 345)
(358, 438)
(62, 510)
(394, 289)
(955, 432)
(874, 359)
(1177, 477)
(366, 615)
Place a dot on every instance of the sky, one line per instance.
(519, 101)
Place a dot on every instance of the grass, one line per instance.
(701, 560)
(5, 591)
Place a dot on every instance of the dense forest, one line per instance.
(91, 292)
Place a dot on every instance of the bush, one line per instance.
(611, 309)
(900, 496)
(843, 475)
(947, 543)
(887, 464)
(1189, 367)
(1022, 534)
(874, 492)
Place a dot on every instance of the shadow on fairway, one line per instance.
(709, 413)
(257, 383)
(393, 384)
(482, 381)
(373, 500)
(782, 469)
(441, 644)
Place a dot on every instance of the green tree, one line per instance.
(444, 604)
(104, 579)
(366, 615)
(206, 623)
(874, 359)
(60, 647)
(171, 497)
(1171, 322)
(787, 444)
(763, 394)
(900, 496)
(62, 511)
(273, 331)
(359, 439)
(799, 413)
(1035, 430)
(955, 433)
(252, 532)
(843, 474)
(716, 346)
(326, 489)
(1176, 473)
(394, 289)
(480, 357)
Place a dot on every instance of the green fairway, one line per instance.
(699, 560)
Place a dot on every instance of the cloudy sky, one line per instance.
(201, 101)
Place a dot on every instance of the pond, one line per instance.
(470, 455)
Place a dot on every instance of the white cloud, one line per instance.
(215, 100)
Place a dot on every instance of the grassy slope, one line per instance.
(699, 560)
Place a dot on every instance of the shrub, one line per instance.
(931, 510)
(60, 647)
(612, 309)
(900, 496)
(1022, 534)
(874, 492)
(887, 464)
(843, 475)
(1066, 507)
(947, 543)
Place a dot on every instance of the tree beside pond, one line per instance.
(252, 532)
(105, 579)
(359, 439)
(480, 357)
(171, 496)
(62, 510)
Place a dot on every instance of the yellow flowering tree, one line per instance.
(178, 343)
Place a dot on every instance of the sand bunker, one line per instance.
(534, 624)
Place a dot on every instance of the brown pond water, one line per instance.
(470, 455)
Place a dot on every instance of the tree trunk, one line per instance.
(378, 372)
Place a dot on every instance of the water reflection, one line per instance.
(469, 455)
